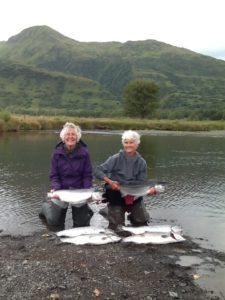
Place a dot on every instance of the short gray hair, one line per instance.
(67, 126)
(131, 135)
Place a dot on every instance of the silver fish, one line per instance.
(154, 238)
(92, 239)
(139, 190)
(153, 228)
(76, 197)
(72, 232)
(136, 190)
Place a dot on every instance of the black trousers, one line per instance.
(81, 215)
(116, 209)
(55, 214)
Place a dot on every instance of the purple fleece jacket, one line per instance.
(70, 171)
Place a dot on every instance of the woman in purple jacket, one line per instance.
(70, 169)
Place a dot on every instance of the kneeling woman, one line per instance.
(70, 169)
(125, 167)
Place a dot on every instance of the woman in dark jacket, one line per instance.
(70, 169)
(70, 162)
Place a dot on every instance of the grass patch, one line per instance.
(26, 122)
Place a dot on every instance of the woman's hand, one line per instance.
(152, 191)
(55, 196)
(114, 185)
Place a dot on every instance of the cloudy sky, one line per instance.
(194, 24)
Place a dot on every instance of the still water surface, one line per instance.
(192, 165)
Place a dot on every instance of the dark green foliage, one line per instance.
(5, 116)
(116, 74)
(44, 72)
(140, 98)
(29, 90)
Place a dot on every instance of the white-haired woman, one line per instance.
(70, 168)
(125, 167)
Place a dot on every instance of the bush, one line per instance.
(5, 116)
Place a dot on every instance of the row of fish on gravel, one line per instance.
(152, 234)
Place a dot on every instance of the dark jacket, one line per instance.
(72, 170)
(124, 169)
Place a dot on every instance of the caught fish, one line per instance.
(134, 190)
(72, 232)
(153, 228)
(154, 238)
(76, 197)
(139, 190)
(156, 234)
(92, 239)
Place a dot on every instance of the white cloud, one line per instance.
(193, 24)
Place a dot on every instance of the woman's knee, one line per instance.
(81, 215)
(116, 216)
(139, 216)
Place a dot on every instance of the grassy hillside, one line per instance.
(191, 85)
(45, 48)
(30, 90)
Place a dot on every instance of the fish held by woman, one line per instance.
(76, 197)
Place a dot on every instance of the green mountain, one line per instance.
(25, 89)
(42, 71)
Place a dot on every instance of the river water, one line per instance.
(191, 164)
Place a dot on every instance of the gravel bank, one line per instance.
(40, 267)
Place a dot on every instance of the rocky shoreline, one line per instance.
(39, 266)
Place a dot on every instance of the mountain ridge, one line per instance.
(190, 83)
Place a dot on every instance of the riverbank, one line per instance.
(40, 267)
(26, 122)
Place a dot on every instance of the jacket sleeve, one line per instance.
(54, 174)
(142, 176)
(105, 168)
(87, 173)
